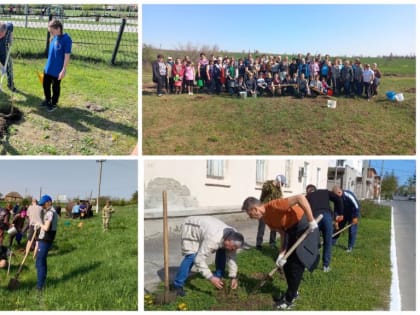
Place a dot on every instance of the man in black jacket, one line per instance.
(319, 199)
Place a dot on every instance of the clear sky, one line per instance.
(74, 178)
(338, 30)
(403, 169)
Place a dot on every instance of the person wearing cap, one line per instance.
(368, 78)
(291, 217)
(319, 199)
(272, 189)
(159, 74)
(48, 230)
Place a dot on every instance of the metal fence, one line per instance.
(96, 38)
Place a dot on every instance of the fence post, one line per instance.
(117, 43)
(47, 45)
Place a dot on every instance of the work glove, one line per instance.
(313, 225)
(281, 261)
(339, 218)
(355, 221)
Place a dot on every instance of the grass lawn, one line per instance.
(73, 129)
(221, 125)
(87, 269)
(357, 281)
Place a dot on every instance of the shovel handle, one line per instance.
(295, 245)
(342, 230)
(26, 254)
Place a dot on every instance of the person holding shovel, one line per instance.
(58, 59)
(202, 236)
(351, 215)
(291, 217)
(48, 226)
(34, 215)
(319, 199)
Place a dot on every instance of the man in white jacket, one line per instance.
(202, 236)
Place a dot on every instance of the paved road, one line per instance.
(405, 240)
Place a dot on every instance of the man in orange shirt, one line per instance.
(290, 217)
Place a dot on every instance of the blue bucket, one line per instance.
(390, 95)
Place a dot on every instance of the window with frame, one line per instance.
(260, 171)
(215, 169)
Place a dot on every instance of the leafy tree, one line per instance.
(134, 197)
(389, 185)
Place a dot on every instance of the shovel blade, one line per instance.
(13, 284)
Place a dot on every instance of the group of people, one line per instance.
(82, 210)
(291, 217)
(301, 76)
(39, 221)
(59, 51)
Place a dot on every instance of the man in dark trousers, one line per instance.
(272, 189)
(291, 217)
(319, 199)
(160, 73)
(351, 215)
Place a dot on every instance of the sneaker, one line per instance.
(283, 304)
(349, 250)
(258, 247)
(327, 269)
(51, 108)
(160, 95)
(45, 103)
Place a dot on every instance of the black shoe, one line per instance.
(45, 103)
(273, 246)
(51, 108)
(180, 291)
(13, 89)
(258, 247)
(283, 304)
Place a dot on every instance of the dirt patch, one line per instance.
(235, 301)
(411, 90)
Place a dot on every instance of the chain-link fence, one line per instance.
(97, 36)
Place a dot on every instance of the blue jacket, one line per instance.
(351, 205)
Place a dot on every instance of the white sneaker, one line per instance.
(327, 269)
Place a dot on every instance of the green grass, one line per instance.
(87, 268)
(219, 125)
(73, 129)
(358, 281)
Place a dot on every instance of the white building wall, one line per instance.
(187, 179)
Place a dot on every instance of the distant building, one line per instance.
(13, 197)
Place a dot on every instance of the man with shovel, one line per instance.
(202, 236)
(291, 217)
(351, 215)
(46, 237)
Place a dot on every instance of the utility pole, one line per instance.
(40, 192)
(364, 178)
(99, 183)
(380, 182)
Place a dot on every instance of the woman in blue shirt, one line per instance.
(57, 62)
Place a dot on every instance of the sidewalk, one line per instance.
(153, 245)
